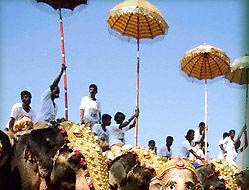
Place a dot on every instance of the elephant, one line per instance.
(127, 173)
(210, 178)
(242, 179)
(30, 159)
(69, 170)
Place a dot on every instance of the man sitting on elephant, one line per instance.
(100, 130)
(22, 116)
(116, 132)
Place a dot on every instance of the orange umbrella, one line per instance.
(205, 62)
(239, 73)
(137, 19)
(59, 5)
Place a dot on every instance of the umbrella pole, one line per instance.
(245, 119)
(137, 94)
(63, 63)
(206, 120)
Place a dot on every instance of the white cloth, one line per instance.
(91, 109)
(231, 152)
(224, 143)
(116, 135)
(165, 152)
(197, 138)
(98, 130)
(48, 110)
(186, 147)
(17, 112)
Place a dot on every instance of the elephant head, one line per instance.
(176, 174)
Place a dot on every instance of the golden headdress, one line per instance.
(178, 163)
(82, 137)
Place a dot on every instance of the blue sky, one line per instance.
(170, 102)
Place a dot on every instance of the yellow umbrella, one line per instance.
(205, 62)
(137, 19)
(239, 73)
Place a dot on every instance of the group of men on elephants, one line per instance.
(35, 152)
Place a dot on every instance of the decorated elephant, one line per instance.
(69, 170)
(80, 164)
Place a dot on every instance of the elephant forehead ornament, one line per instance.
(82, 137)
(178, 163)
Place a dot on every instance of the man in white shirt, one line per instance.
(22, 116)
(48, 109)
(187, 146)
(90, 108)
(166, 151)
(223, 146)
(100, 130)
(199, 137)
(116, 132)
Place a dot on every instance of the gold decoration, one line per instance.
(176, 163)
(227, 172)
(82, 137)
(147, 157)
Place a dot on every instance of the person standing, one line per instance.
(48, 109)
(233, 146)
(223, 146)
(90, 107)
(199, 137)
(166, 151)
(22, 115)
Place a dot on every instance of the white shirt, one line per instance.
(231, 152)
(91, 108)
(17, 112)
(224, 143)
(98, 130)
(165, 152)
(186, 147)
(116, 135)
(48, 110)
(197, 138)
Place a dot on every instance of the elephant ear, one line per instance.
(156, 184)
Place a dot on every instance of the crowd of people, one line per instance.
(193, 147)
(112, 136)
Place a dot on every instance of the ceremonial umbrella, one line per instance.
(205, 62)
(239, 73)
(140, 20)
(59, 5)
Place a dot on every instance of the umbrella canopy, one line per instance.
(137, 19)
(205, 62)
(63, 4)
(239, 73)
(59, 5)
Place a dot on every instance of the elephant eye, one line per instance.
(171, 185)
(190, 186)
